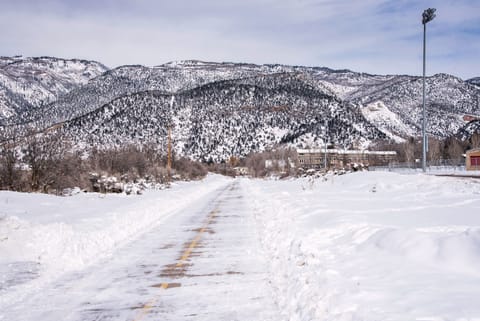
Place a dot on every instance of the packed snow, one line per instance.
(361, 246)
(45, 236)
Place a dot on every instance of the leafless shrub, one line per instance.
(70, 171)
(434, 149)
(42, 153)
(188, 169)
(454, 149)
(9, 162)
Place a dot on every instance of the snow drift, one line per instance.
(372, 246)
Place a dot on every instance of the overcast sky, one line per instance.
(374, 36)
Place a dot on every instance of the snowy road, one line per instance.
(362, 246)
(202, 263)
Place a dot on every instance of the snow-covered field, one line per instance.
(362, 246)
(373, 246)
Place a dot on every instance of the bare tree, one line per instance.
(434, 150)
(454, 149)
(256, 164)
(71, 171)
(409, 150)
(41, 153)
(475, 140)
(9, 157)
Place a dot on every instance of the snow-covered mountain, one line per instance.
(125, 80)
(395, 105)
(28, 83)
(224, 118)
(221, 109)
(474, 81)
(469, 129)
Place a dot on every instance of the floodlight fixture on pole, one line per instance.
(427, 16)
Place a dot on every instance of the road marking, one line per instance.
(186, 254)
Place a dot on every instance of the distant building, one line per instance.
(473, 159)
(338, 158)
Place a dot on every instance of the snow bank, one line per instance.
(44, 236)
(372, 246)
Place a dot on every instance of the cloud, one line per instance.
(375, 36)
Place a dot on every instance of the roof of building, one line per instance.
(345, 151)
(473, 150)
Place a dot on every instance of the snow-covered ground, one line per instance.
(43, 237)
(362, 246)
(372, 246)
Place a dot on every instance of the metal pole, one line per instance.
(325, 154)
(424, 120)
(427, 16)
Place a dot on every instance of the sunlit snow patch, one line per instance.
(386, 121)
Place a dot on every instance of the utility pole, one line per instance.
(169, 153)
(427, 16)
(169, 143)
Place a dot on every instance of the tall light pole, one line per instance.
(427, 16)
(326, 142)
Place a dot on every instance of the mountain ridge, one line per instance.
(27, 83)
(389, 103)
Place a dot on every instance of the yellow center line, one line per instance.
(148, 306)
